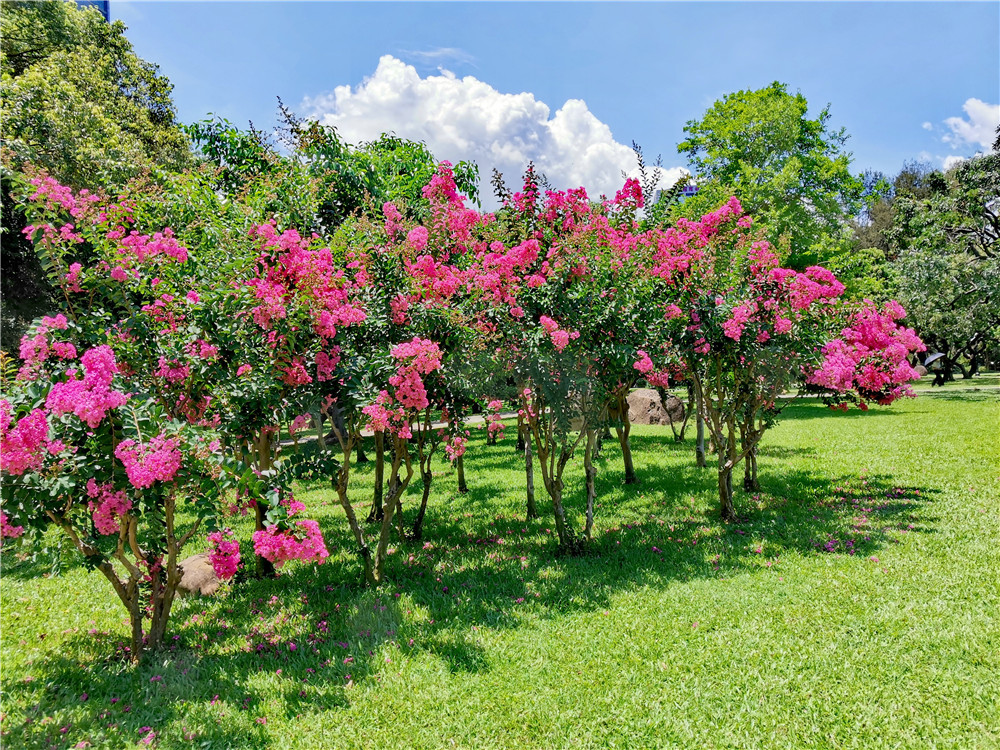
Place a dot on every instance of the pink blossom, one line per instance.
(23, 447)
(417, 238)
(279, 546)
(172, 370)
(301, 422)
(326, 364)
(159, 461)
(644, 364)
(107, 506)
(73, 278)
(7, 531)
(224, 553)
(295, 373)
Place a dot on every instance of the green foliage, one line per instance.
(790, 172)
(82, 105)
(947, 260)
(323, 180)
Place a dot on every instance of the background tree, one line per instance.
(77, 102)
(789, 171)
(946, 262)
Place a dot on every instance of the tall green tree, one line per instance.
(790, 172)
(946, 267)
(76, 101)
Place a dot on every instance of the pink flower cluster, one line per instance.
(295, 373)
(301, 422)
(224, 553)
(494, 422)
(23, 447)
(136, 247)
(159, 461)
(326, 364)
(416, 357)
(172, 370)
(279, 546)
(454, 447)
(560, 338)
(36, 349)
(293, 274)
(107, 506)
(91, 398)
(817, 284)
(871, 356)
(644, 364)
(202, 349)
(385, 416)
(8, 531)
(733, 328)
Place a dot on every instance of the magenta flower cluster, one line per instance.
(107, 506)
(91, 398)
(224, 553)
(160, 460)
(279, 546)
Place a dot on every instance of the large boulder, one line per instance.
(921, 370)
(645, 407)
(198, 576)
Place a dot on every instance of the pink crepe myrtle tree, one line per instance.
(94, 443)
(282, 331)
(391, 376)
(748, 331)
(564, 291)
(203, 349)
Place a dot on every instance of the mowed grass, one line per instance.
(856, 605)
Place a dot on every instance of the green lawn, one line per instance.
(856, 606)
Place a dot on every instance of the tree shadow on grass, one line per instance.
(306, 640)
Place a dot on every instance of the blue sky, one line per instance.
(491, 81)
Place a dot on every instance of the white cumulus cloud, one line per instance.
(951, 161)
(467, 119)
(978, 130)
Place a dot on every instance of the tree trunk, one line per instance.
(396, 488)
(460, 466)
(520, 435)
(623, 438)
(418, 523)
(263, 448)
(562, 527)
(364, 550)
(699, 450)
(750, 483)
(727, 459)
(529, 474)
(320, 437)
(591, 475)
(361, 458)
(375, 514)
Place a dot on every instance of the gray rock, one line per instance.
(644, 407)
(197, 576)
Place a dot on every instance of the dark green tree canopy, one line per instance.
(78, 102)
(945, 245)
(790, 172)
